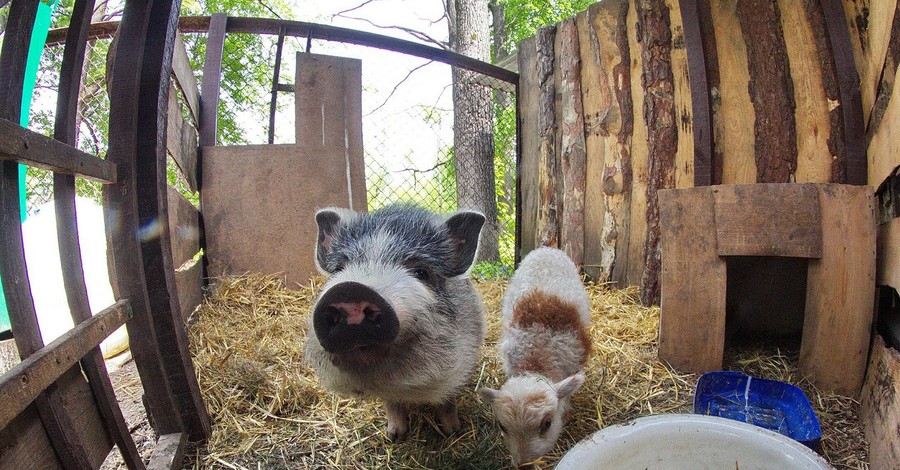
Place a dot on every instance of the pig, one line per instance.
(398, 318)
(543, 348)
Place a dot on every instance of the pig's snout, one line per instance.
(351, 315)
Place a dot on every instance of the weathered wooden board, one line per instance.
(888, 254)
(187, 82)
(633, 265)
(168, 452)
(869, 23)
(548, 188)
(735, 112)
(259, 203)
(24, 443)
(684, 155)
(328, 104)
(181, 141)
(884, 148)
(880, 406)
(189, 282)
(812, 107)
(571, 141)
(768, 220)
(694, 281)
(184, 227)
(527, 167)
(87, 423)
(885, 85)
(839, 292)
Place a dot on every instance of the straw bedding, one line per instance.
(247, 340)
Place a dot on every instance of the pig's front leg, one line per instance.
(397, 421)
(447, 417)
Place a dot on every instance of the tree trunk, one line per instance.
(473, 117)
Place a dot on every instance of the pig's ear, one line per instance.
(329, 221)
(464, 229)
(569, 385)
(488, 395)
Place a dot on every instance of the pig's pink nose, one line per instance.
(356, 312)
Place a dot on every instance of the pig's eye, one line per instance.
(421, 274)
(545, 425)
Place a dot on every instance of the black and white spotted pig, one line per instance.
(398, 318)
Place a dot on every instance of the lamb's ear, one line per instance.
(488, 395)
(464, 228)
(330, 222)
(567, 386)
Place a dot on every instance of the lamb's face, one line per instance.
(530, 411)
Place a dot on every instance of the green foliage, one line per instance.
(525, 17)
(490, 271)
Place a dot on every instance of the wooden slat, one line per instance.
(681, 91)
(22, 384)
(629, 269)
(571, 142)
(890, 37)
(168, 452)
(888, 254)
(880, 406)
(88, 425)
(840, 291)
(701, 110)
(184, 76)
(884, 146)
(848, 88)
(273, 104)
(768, 220)
(694, 281)
(189, 282)
(123, 247)
(527, 166)
(549, 201)
(67, 232)
(25, 443)
(28, 147)
(181, 142)
(184, 226)
(212, 76)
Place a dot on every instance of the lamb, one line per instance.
(544, 345)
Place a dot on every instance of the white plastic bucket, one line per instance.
(688, 441)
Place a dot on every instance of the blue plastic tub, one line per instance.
(770, 404)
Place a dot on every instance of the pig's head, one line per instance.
(388, 274)
(530, 410)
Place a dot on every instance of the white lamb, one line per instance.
(544, 345)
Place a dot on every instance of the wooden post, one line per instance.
(212, 76)
(571, 142)
(548, 169)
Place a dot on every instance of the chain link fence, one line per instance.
(408, 123)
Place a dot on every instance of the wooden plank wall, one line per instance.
(781, 104)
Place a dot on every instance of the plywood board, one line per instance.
(259, 204)
(839, 292)
(768, 220)
(880, 407)
(693, 282)
(888, 254)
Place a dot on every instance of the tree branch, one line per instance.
(396, 87)
(340, 13)
(412, 32)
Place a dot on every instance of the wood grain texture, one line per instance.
(884, 146)
(189, 282)
(694, 281)
(699, 57)
(184, 226)
(181, 141)
(880, 406)
(662, 131)
(25, 444)
(735, 113)
(571, 142)
(885, 85)
(888, 254)
(212, 76)
(768, 220)
(839, 292)
(685, 156)
(168, 452)
(184, 78)
(527, 168)
(548, 168)
(771, 91)
(629, 268)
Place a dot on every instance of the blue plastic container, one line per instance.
(770, 404)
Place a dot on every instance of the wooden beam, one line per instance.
(169, 452)
(28, 147)
(22, 384)
(212, 76)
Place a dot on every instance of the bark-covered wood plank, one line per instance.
(628, 269)
(880, 406)
(848, 89)
(31, 148)
(768, 219)
(527, 167)
(184, 226)
(884, 146)
(606, 91)
(771, 91)
(839, 291)
(26, 380)
(184, 77)
(662, 130)
(67, 233)
(885, 85)
(733, 111)
(684, 116)
(549, 171)
(701, 107)
(182, 142)
(168, 452)
(571, 142)
(212, 76)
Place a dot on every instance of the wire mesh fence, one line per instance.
(412, 135)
